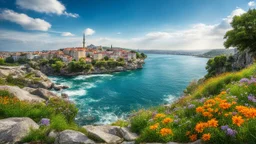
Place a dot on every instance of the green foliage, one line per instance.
(20, 82)
(39, 136)
(140, 120)
(120, 123)
(58, 65)
(5, 93)
(22, 60)
(9, 60)
(242, 36)
(218, 65)
(43, 61)
(78, 66)
(59, 123)
(2, 62)
(106, 58)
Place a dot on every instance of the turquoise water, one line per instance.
(104, 98)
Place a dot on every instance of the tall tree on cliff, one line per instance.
(243, 34)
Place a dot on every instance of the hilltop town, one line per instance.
(77, 60)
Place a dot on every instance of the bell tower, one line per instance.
(83, 40)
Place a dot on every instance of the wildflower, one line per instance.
(191, 106)
(207, 114)
(225, 127)
(212, 123)
(206, 137)
(199, 109)
(45, 121)
(226, 114)
(224, 105)
(223, 93)
(200, 127)
(210, 101)
(153, 127)
(193, 137)
(251, 98)
(187, 133)
(231, 132)
(176, 120)
(244, 80)
(165, 131)
(210, 110)
(160, 115)
(167, 120)
(238, 120)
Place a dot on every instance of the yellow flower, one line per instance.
(206, 137)
(165, 131)
(238, 120)
(160, 115)
(187, 133)
(153, 127)
(193, 137)
(167, 120)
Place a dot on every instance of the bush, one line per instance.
(9, 60)
(2, 61)
(20, 82)
(140, 120)
(39, 136)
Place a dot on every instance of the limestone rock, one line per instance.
(72, 137)
(108, 134)
(14, 129)
(29, 89)
(21, 94)
(127, 134)
(44, 93)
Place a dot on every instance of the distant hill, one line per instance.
(199, 53)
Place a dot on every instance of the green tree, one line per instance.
(106, 58)
(9, 60)
(58, 65)
(243, 34)
(2, 61)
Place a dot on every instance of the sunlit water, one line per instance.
(104, 98)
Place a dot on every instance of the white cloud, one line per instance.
(89, 31)
(251, 4)
(196, 36)
(45, 6)
(25, 21)
(67, 34)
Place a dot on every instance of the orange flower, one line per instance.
(165, 131)
(167, 120)
(247, 112)
(210, 110)
(206, 137)
(187, 133)
(193, 137)
(199, 109)
(212, 123)
(238, 120)
(224, 105)
(226, 114)
(160, 115)
(153, 127)
(216, 110)
(210, 101)
(207, 114)
(200, 127)
(223, 93)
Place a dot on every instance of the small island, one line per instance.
(77, 60)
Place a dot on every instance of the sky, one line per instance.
(29, 25)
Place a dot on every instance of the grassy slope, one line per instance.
(180, 122)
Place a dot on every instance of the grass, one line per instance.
(184, 122)
(120, 123)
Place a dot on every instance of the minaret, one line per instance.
(84, 41)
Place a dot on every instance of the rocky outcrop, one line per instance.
(13, 130)
(72, 137)
(106, 133)
(127, 134)
(44, 93)
(21, 94)
(242, 59)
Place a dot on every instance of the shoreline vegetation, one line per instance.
(219, 108)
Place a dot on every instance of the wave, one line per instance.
(82, 77)
(169, 98)
(109, 117)
(79, 92)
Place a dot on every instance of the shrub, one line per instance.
(120, 123)
(39, 136)
(139, 122)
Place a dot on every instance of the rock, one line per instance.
(72, 137)
(64, 96)
(53, 134)
(13, 130)
(57, 87)
(21, 94)
(105, 133)
(29, 89)
(130, 142)
(65, 87)
(127, 134)
(44, 93)
(242, 59)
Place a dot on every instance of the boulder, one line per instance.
(57, 87)
(128, 142)
(65, 87)
(64, 96)
(127, 134)
(21, 94)
(53, 134)
(106, 133)
(44, 93)
(13, 130)
(72, 137)
(29, 89)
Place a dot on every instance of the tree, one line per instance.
(1, 61)
(57, 66)
(9, 60)
(106, 58)
(243, 34)
(143, 55)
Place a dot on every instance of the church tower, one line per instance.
(83, 40)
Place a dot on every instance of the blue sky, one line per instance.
(144, 24)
